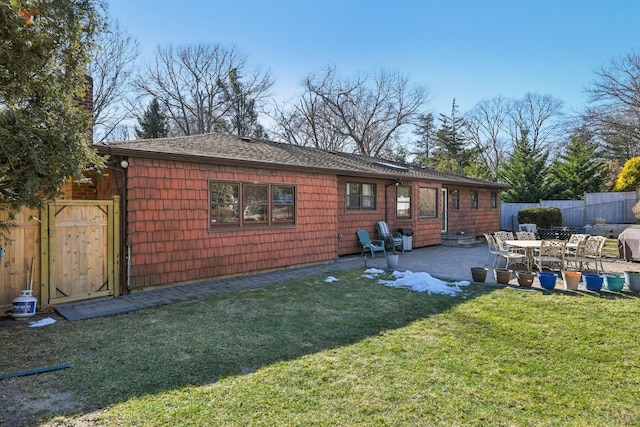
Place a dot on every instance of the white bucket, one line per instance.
(24, 305)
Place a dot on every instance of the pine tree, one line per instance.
(578, 170)
(426, 130)
(242, 116)
(450, 154)
(526, 172)
(153, 123)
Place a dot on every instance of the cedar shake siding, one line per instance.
(166, 205)
(169, 234)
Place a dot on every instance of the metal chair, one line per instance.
(551, 254)
(526, 235)
(371, 245)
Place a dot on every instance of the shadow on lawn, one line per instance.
(199, 342)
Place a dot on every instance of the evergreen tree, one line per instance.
(450, 154)
(242, 118)
(426, 130)
(525, 171)
(153, 123)
(577, 170)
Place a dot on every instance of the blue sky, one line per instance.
(463, 49)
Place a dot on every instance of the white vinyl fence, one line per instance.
(612, 208)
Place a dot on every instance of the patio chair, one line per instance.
(504, 235)
(551, 254)
(395, 240)
(370, 245)
(512, 256)
(591, 254)
(526, 235)
(493, 250)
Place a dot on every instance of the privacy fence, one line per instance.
(610, 208)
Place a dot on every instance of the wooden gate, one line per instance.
(81, 250)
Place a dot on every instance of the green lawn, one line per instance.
(347, 353)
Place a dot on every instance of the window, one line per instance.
(361, 196)
(428, 203)
(455, 199)
(494, 200)
(474, 199)
(403, 201)
(247, 204)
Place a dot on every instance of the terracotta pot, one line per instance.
(502, 275)
(479, 274)
(525, 278)
(571, 279)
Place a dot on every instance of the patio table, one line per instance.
(530, 246)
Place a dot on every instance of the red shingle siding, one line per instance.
(168, 224)
(474, 222)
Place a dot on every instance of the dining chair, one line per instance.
(551, 254)
(493, 250)
(526, 235)
(512, 256)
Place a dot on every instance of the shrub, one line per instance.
(545, 217)
(629, 177)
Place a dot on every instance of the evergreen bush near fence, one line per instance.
(545, 217)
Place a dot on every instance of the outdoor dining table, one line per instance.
(530, 246)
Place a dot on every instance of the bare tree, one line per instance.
(615, 102)
(190, 84)
(485, 127)
(537, 115)
(368, 110)
(111, 68)
(302, 123)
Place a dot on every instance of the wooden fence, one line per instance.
(74, 247)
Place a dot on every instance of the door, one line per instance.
(83, 250)
(444, 211)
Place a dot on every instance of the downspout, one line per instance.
(125, 267)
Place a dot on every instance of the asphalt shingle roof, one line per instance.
(230, 149)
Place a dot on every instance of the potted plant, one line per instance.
(502, 275)
(479, 274)
(633, 280)
(525, 278)
(571, 279)
(593, 282)
(547, 280)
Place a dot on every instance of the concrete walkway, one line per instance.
(444, 262)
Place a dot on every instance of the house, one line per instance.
(214, 205)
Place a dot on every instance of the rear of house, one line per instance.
(216, 205)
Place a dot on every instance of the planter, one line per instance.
(547, 280)
(593, 282)
(571, 279)
(479, 274)
(392, 261)
(502, 275)
(614, 282)
(633, 280)
(525, 278)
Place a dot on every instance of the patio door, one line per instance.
(444, 211)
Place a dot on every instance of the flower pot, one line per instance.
(633, 280)
(593, 282)
(392, 261)
(614, 282)
(571, 279)
(479, 274)
(547, 280)
(502, 275)
(525, 278)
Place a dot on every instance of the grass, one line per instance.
(610, 247)
(352, 352)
